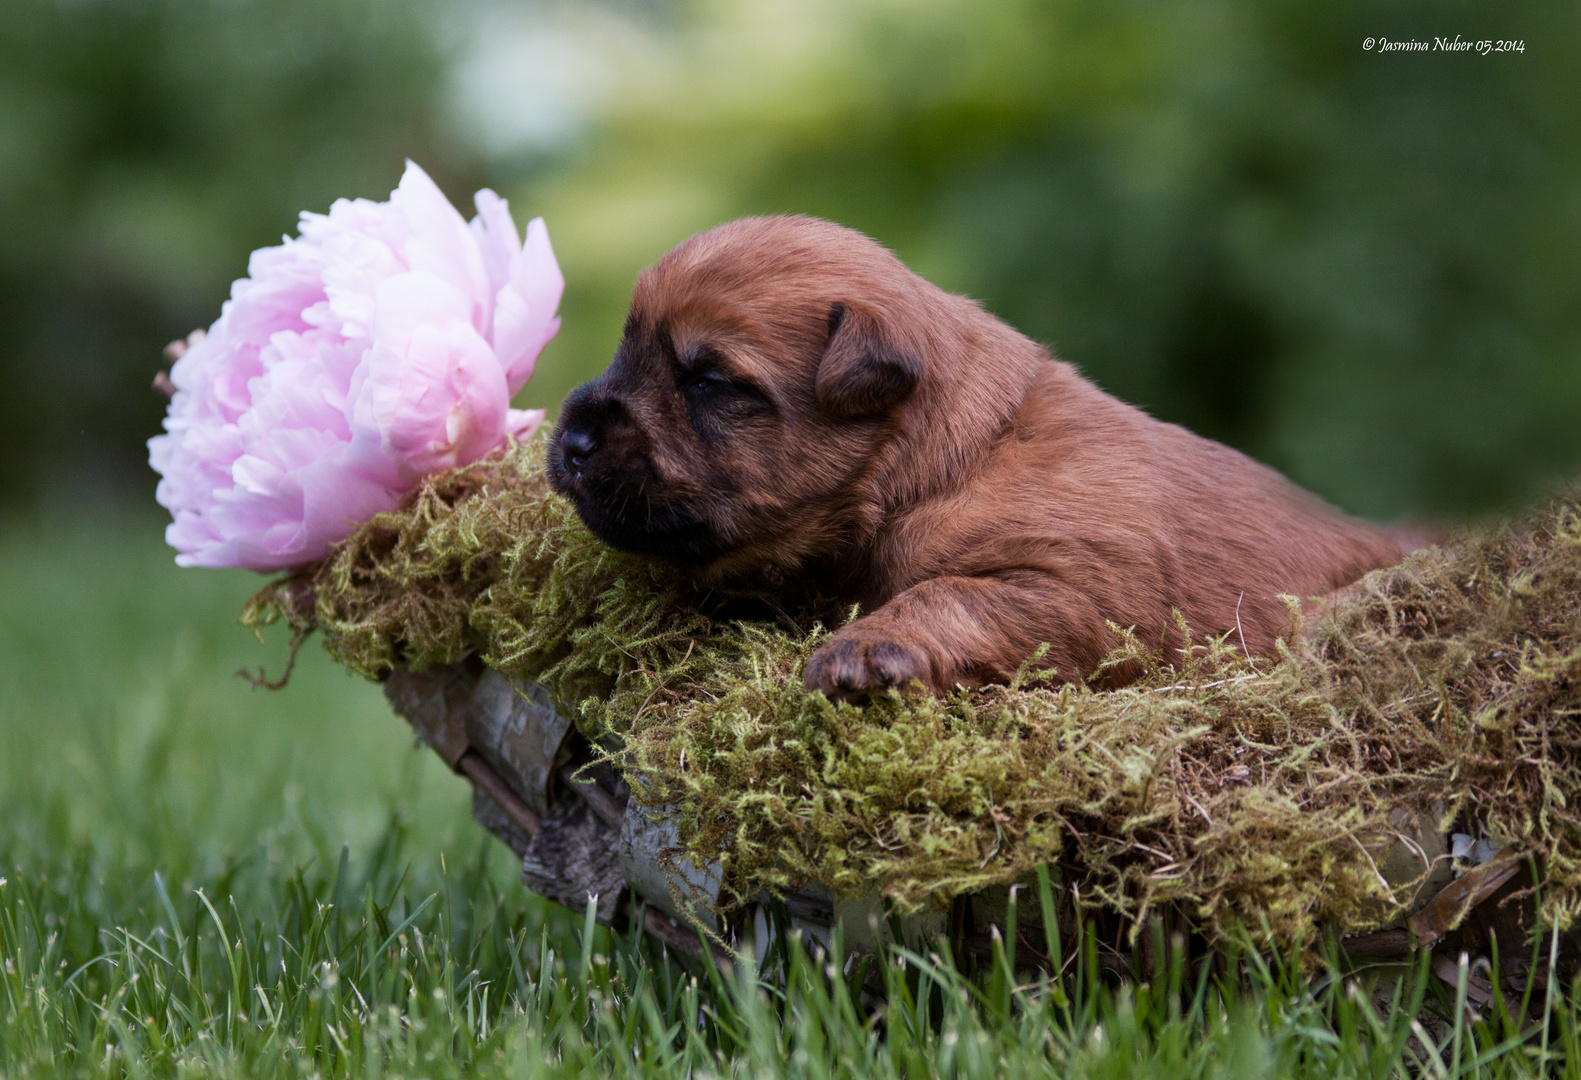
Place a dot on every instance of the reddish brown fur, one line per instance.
(977, 497)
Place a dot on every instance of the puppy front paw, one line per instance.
(857, 664)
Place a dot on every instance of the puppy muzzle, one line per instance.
(601, 459)
(596, 434)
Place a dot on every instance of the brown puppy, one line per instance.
(788, 395)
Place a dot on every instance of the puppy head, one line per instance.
(762, 366)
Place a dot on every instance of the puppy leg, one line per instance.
(949, 630)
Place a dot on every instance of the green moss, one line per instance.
(1240, 793)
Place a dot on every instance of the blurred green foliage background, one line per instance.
(1361, 267)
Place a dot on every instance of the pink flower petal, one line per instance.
(524, 311)
(353, 361)
(521, 423)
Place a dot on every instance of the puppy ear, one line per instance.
(863, 372)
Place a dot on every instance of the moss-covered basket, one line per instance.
(1224, 792)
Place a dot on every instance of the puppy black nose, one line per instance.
(577, 444)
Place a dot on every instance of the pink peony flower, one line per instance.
(380, 346)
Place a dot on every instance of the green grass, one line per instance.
(202, 879)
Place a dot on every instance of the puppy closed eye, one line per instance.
(707, 384)
(717, 402)
(711, 381)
